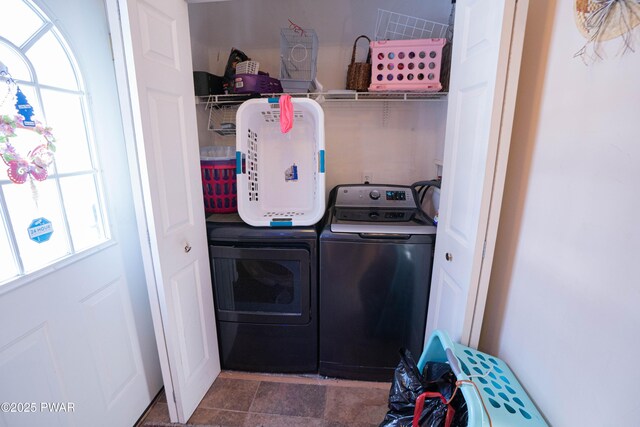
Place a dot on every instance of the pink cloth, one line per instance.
(286, 113)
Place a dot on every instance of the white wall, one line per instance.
(564, 293)
(398, 142)
(253, 26)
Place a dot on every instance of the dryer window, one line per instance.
(255, 285)
(261, 285)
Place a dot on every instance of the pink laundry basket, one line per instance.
(406, 65)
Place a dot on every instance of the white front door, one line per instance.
(485, 57)
(76, 338)
(157, 48)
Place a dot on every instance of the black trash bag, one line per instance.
(440, 378)
(409, 383)
(406, 386)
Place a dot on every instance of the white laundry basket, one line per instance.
(280, 176)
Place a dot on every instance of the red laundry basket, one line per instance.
(219, 186)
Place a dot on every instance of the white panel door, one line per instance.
(482, 46)
(158, 55)
(76, 338)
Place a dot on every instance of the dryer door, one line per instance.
(261, 285)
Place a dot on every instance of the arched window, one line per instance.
(35, 57)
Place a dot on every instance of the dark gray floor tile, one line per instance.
(328, 423)
(159, 413)
(270, 420)
(355, 406)
(226, 393)
(302, 400)
(218, 417)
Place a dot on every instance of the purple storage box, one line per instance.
(256, 83)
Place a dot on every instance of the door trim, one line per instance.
(126, 97)
(471, 333)
(179, 289)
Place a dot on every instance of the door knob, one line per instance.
(448, 256)
(187, 248)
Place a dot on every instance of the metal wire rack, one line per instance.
(222, 119)
(396, 26)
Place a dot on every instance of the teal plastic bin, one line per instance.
(497, 394)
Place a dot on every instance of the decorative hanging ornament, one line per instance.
(36, 161)
(24, 108)
(603, 20)
(29, 156)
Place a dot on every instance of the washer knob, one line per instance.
(374, 194)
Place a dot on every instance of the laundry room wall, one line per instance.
(395, 142)
(563, 300)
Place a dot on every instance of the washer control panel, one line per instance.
(396, 195)
(384, 196)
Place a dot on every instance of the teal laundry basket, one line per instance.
(497, 395)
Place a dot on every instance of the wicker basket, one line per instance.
(359, 73)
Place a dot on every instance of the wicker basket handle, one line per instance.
(353, 53)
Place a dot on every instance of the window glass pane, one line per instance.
(83, 211)
(8, 268)
(23, 211)
(64, 115)
(51, 63)
(14, 63)
(20, 24)
(34, 54)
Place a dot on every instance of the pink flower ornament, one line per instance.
(6, 130)
(36, 162)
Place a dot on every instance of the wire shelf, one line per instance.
(396, 26)
(217, 101)
(223, 108)
(222, 119)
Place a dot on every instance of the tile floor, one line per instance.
(251, 400)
